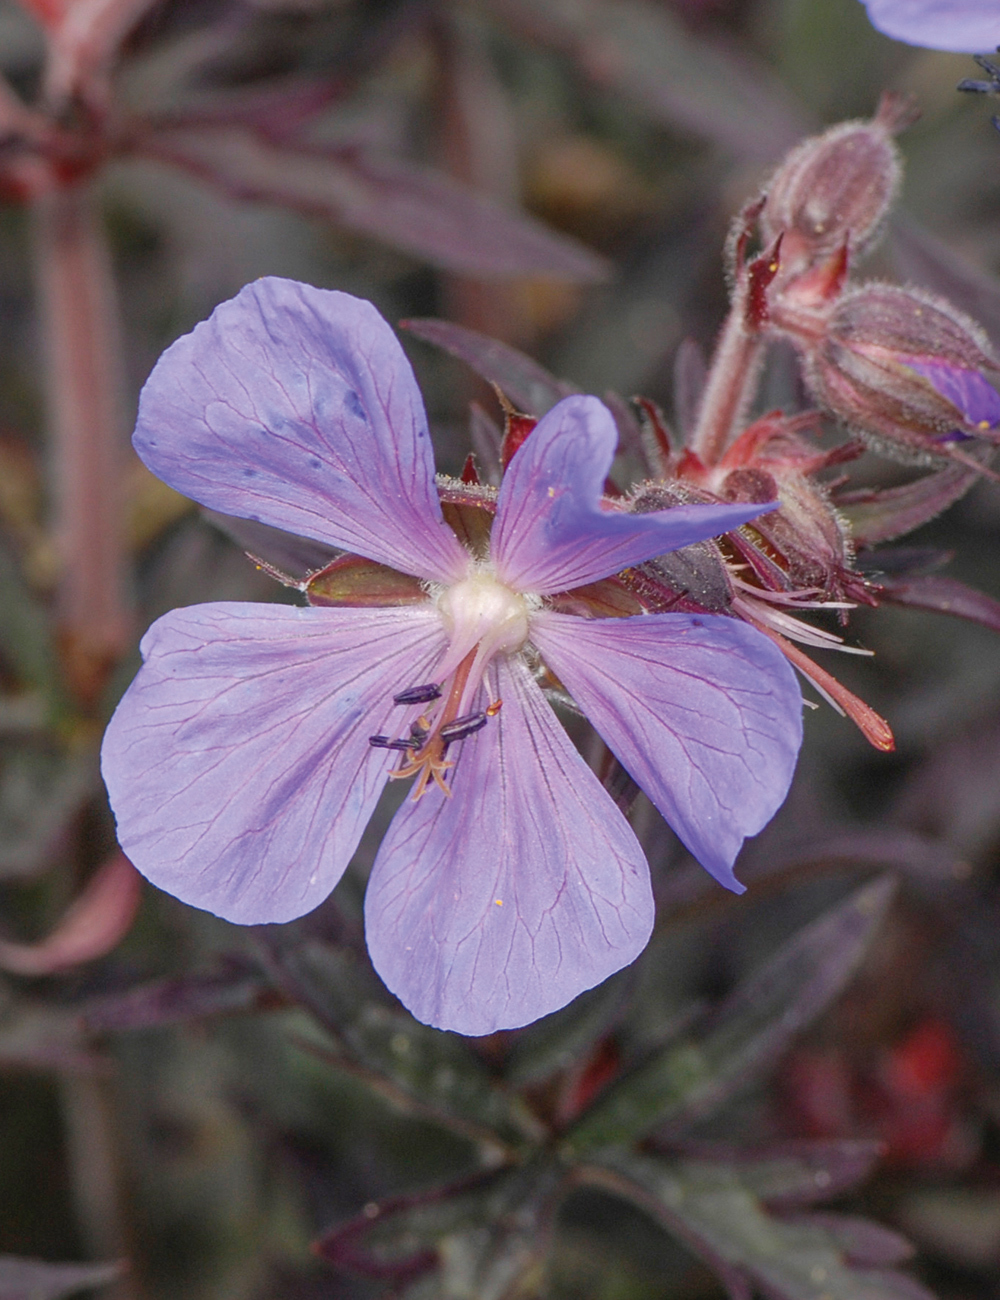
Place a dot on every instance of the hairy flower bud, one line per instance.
(803, 545)
(906, 370)
(835, 190)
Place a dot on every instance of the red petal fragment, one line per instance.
(99, 918)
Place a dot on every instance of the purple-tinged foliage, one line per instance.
(965, 26)
(37, 1279)
(241, 761)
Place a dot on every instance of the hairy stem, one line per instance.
(730, 387)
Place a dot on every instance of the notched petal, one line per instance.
(238, 762)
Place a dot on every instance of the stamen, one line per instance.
(384, 742)
(418, 694)
(493, 709)
(462, 727)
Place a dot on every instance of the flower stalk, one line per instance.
(83, 386)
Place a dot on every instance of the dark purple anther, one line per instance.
(462, 727)
(419, 694)
(384, 742)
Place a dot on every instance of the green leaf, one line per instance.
(484, 1239)
(437, 1070)
(746, 1035)
(806, 1172)
(710, 1207)
(558, 1041)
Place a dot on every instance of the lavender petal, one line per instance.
(966, 389)
(297, 408)
(964, 26)
(500, 904)
(550, 533)
(704, 712)
(238, 761)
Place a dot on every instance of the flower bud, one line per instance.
(905, 369)
(835, 189)
(803, 544)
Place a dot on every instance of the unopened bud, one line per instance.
(906, 370)
(835, 190)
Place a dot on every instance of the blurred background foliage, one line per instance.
(247, 1114)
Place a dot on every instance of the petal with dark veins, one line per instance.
(297, 407)
(703, 711)
(238, 761)
(500, 904)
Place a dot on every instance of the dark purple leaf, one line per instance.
(629, 432)
(746, 1035)
(483, 1234)
(899, 560)
(862, 1241)
(690, 377)
(276, 107)
(895, 847)
(297, 557)
(646, 54)
(413, 207)
(36, 1279)
(943, 596)
(523, 381)
(559, 1041)
(486, 437)
(881, 514)
(954, 793)
(166, 1002)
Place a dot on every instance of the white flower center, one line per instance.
(481, 611)
(482, 618)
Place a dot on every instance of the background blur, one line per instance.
(175, 1100)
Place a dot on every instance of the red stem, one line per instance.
(730, 388)
(79, 322)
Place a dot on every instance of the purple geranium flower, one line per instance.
(248, 754)
(965, 26)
